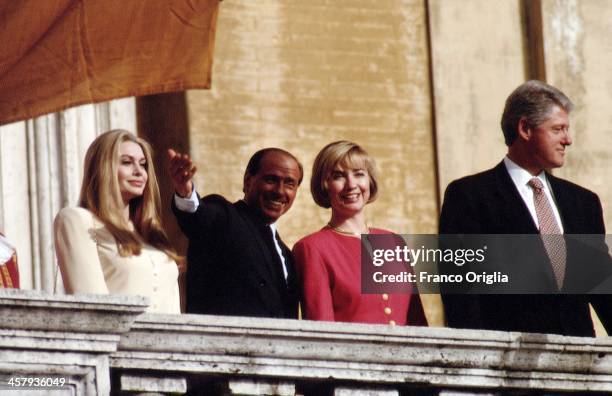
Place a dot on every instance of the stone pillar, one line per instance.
(43, 172)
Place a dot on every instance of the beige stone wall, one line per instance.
(578, 53)
(299, 75)
(477, 60)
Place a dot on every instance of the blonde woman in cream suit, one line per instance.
(113, 243)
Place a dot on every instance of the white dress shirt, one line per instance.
(189, 204)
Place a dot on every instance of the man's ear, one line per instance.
(524, 130)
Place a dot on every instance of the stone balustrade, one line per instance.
(106, 345)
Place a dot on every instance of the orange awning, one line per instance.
(60, 53)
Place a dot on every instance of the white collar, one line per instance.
(521, 176)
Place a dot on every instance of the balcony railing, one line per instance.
(106, 345)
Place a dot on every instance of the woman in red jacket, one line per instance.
(329, 261)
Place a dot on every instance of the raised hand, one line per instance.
(181, 170)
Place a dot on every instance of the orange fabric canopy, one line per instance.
(60, 53)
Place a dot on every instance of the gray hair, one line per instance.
(533, 101)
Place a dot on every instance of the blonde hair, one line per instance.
(100, 193)
(344, 153)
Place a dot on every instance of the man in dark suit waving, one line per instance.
(237, 264)
(519, 196)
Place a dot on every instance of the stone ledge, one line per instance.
(85, 338)
(85, 313)
(376, 354)
(56, 340)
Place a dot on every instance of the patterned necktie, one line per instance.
(549, 230)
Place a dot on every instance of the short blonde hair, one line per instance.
(344, 153)
(101, 194)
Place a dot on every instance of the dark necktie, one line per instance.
(549, 230)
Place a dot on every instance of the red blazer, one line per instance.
(329, 271)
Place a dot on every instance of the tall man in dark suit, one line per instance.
(237, 263)
(519, 196)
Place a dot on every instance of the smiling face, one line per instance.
(546, 142)
(273, 188)
(348, 188)
(131, 171)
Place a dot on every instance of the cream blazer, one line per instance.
(90, 263)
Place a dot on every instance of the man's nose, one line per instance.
(567, 139)
(278, 188)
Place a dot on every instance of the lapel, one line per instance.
(512, 205)
(565, 205)
(574, 274)
(262, 240)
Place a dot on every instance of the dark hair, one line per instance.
(255, 162)
(533, 101)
